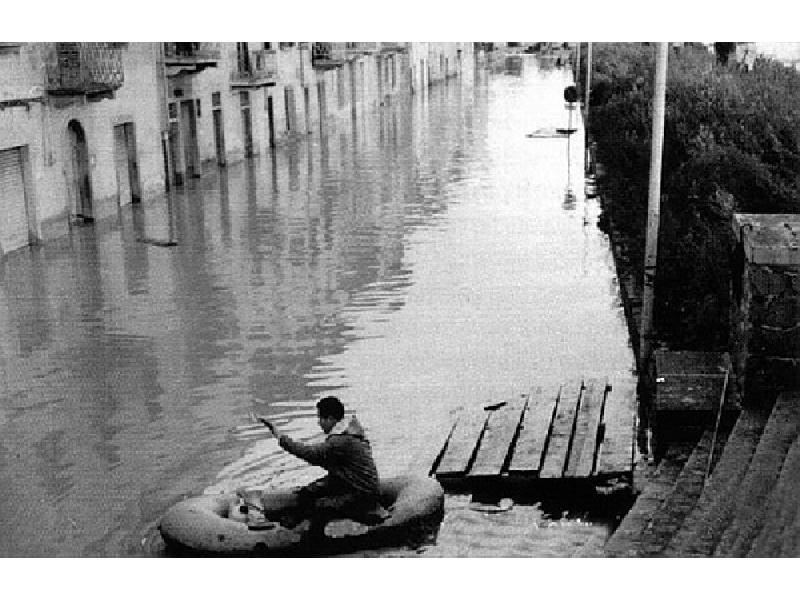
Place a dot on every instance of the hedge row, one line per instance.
(731, 143)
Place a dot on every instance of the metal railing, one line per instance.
(84, 67)
(262, 67)
(394, 46)
(191, 51)
(354, 48)
(327, 53)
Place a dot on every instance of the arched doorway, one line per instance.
(80, 189)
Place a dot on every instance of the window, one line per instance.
(267, 45)
(242, 57)
(197, 103)
(244, 99)
(216, 99)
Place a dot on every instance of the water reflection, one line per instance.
(414, 260)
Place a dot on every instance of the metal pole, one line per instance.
(586, 106)
(653, 207)
(163, 87)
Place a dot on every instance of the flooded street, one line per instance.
(424, 259)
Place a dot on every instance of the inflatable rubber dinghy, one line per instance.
(213, 525)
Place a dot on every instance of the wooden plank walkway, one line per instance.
(571, 431)
(462, 442)
(587, 428)
(534, 431)
(501, 428)
(555, 461)
(615, 454)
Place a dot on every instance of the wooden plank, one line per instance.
(584, 442)
(462, 443)
(495, 445)
(555, 459)
(619, 418)
(536, 422)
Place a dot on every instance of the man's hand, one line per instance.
(266, 423)
(273, 430)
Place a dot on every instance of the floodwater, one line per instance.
(423, 259)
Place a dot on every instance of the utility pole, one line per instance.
(578, 63)
(586, 106)
(653, 207)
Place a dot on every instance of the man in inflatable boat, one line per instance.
(350, 489)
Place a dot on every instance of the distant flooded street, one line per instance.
(424, 259)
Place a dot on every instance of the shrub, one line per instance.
(725, 131)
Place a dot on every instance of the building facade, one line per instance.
(79, 135)
(435, 62)
(88, 127)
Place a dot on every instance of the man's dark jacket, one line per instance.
(345, 454)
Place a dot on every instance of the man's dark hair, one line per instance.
(330, 406)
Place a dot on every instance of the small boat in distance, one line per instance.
(550, 132)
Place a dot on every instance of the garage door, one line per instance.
(13, 215)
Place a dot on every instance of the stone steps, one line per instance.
(704, 526)
(755, 491)
(625, 541)
(781, 511)
(680, 501)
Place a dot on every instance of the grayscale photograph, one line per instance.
(399, 299)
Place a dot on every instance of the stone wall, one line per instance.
(766, 306)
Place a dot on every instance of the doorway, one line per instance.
(247, 123)
(126, 164)
(188, 126)
(353, 93)
(307, 107)
(291, 110)
(271, 121)
(219, 136)
(79, 184)
(322, 102)
(378, 67)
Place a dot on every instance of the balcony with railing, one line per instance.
(191, 57)
(260, 68)
(360, 48)
(394, 46)
(328, 55)
(91, 68)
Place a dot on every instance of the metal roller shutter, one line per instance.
(13, 214)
